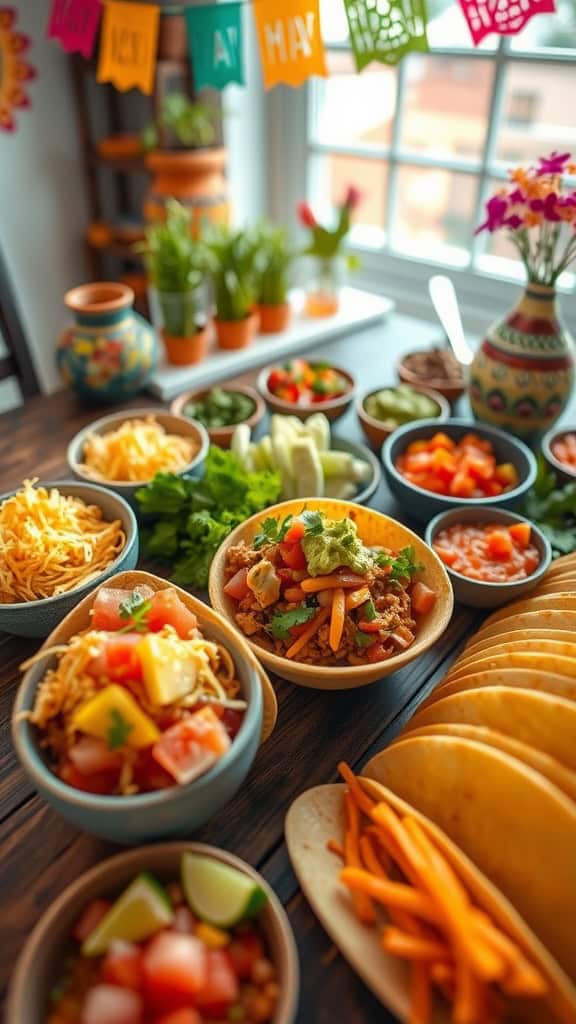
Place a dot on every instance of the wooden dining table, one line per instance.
(40, 853)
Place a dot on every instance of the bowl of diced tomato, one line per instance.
(559, 449)
(431, 469)
(492, 555)
(178, 933)
(299, 388)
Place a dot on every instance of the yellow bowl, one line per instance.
(373, 528)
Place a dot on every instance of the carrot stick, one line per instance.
(362, 800)
(391, 894)
(469, 996)
(334, 847)
(382, 853)
(313, 584)
(412, 947)
(362, 903)
(294, 595)
(308, 633)
(337, 618)
(442, 974)
(373, 862)
(522, 978)
(370, 858)
(357, 597)
(419, 995)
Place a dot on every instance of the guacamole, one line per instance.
(337, 543)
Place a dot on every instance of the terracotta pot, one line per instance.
(186, 351)
(121, 146)
(195, 177)
(236, 333)
(172, 39)
(111, 351)
(274, 319)
(523, 373)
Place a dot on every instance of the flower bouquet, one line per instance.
(326, 249)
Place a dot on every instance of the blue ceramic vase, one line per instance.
(110, 351)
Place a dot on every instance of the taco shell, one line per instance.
(517, 636)
(528, 679)
(544, 618)
(564, 650)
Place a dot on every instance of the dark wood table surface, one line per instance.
(40, 854)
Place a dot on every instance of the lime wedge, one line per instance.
(141, 910)
(217, 893)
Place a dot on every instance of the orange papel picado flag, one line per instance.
(128, 45)
(291, 48)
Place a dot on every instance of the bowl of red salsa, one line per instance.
(299, 388)
(492, 555)
(559, 448)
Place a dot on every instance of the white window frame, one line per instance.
(404, 277)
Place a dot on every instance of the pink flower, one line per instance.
(306, 216)
(517, 196)
(553, 164)
(546, 206)
(514, 222)
(353, 197)
(496, 209)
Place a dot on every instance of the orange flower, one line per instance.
(571, 168)
(532, 218)
(520, 176)
(567, 213)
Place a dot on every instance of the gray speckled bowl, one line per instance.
(424, 505)
(564, 473)
(38, 618)
(476, 593)
(40, 964)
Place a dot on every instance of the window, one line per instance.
(429, 140)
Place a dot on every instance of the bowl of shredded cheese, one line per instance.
(57, 542)
(125, 450)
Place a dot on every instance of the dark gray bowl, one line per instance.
(424, 505)
(361, 452)
(39, 618)
(563, 472)
(476, 593)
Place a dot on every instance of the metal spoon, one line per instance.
(445, 303)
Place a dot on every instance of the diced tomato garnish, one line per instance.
(122, 965)
(192, 746)
(295, 532)
(174, 967)
(221, 986)
(237, 588)
(118, 660)
(106, 607)
(90, 756)
(423, 598)
(286, 576)
(521, 533)
(168, 610)
(148, 774)
(232, 720)
(90, 918)
(462, 486)
(293, 555)
(184, 1016)
(110, 1004)
(377, 652)
(244, 951)
(499, 544)
(97, 782)
(277, 379)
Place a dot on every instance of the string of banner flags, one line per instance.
(289, 35)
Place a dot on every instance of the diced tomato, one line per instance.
(286, 576)
(237, 588)
(192, 746)
(479, 467)
(492, 488)
(521, 534)
(277, 379)
(293, 555)
(423, 598)
(110, 1004)
(184, 921)
(174, 968)
(90, 918)
(506, 474)
(377, 652)
(462, 486)
(499, 544)
(122, 965)
(118, 660)
(244, 951)
(441, 440)
(168, 610)
(106, 607)
(371, 625)
(148, 774)
(184, 1016)
(232, 720)
(98, 782)
(295, 532)
(91, 756)
(221, 986)
(417, 446)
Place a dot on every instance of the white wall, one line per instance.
(42, 206)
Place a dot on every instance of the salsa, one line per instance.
(461, 469)
(161, 954)
(490, 552)
(141, 701)
(564, 449)
(304, 383)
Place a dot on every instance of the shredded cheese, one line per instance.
(51, 543)
(136, 451)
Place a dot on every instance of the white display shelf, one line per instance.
(358, 309)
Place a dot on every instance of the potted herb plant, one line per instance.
(323, 286)
(186, 161)
(232, 256)
(177, 264)
(273, 261)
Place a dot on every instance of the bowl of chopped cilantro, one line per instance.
(331, 594)
(220, 409)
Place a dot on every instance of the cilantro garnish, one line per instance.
(272, 531)
(369, 610)
(282, 622)
(118, 731)
(403, 566)
(363, 639)
(136, 609)
(313, 523)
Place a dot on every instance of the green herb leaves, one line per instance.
(136, 609)
(313, 523)
(369, 611)
(364, 639)
(282, 622)
(403, 566)
(553, 509)
(118, 731)
(272, 531)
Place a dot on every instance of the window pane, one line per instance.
(538, 114)
(352, 109)
(446, 105)
(331, 176)
(447, 26)
(549, 30)
(333, 21)
(433, 213)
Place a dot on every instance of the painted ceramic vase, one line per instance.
(523, 373)
(110, 351)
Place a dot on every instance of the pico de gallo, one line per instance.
(141, 700)
(307, 588)
(564, 449)
(461, 469)
(304, 383)
(490, 552)
(191, 951)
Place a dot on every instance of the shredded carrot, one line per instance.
(338, 613)
(413, 947)
(393, 894)
(522, 978)
(315, 583)
(356, 598)
(334, 847)
(362, 800)
(362, 904)
(420, 995)
(308, 633)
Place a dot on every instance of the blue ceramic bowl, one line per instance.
(181, 425)
(424, 505)
(476, 593)
(565, 474)
(166, 813)
(39, 618)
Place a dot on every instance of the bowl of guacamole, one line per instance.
(220, 409)
(382, 410)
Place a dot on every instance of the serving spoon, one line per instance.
(445, 303)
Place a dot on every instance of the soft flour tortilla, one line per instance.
(524, 637)
(548, 766)
(539, 719)
(527, 679)
(473, 659)
(318, 815)
(517, 827)
(544, 618)
(554, 586)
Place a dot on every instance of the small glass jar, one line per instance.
(323, 287)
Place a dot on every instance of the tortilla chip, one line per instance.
(562, 601)
(543, 618)
(518, 636)
(539, 661)
(554, 586)
(566, 649)
(541, 682)
(517, 827)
